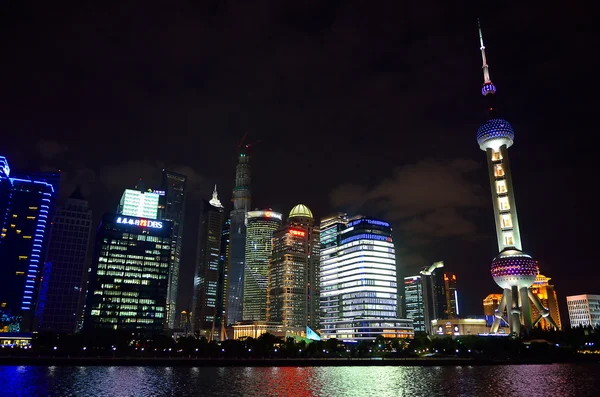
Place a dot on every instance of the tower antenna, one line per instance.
(488, 86)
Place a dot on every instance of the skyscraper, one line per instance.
(259, 246)
(413, 298)
(584, 310)
(174, 186)
(434, 293)
(26, 209)
(358, 276)
(547, 296)
(62, 283)
(513, 270)
(206, 280)
(139, 203)
(222, 283)
(452, 309)
(128, 279)
(237, 249)
(293, 292)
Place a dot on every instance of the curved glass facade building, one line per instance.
(259, 245)
(358, 272)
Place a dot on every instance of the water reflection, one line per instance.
(511, 380)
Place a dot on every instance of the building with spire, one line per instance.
(259, 246)
(206, 280)
(513, 270)
(237, 249)
(172, 208)
(62, 285)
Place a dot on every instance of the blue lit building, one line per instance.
(26, 206)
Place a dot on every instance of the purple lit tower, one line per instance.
(513, 270)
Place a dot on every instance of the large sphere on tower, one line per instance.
(513, 267)
(495, 133)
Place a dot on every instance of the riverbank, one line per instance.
(273, 362)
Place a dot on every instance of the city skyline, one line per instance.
(464, 242)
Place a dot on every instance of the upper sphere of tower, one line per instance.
(495, 133)
(300, 211)
(513, 267)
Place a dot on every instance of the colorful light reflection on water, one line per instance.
(508, 380)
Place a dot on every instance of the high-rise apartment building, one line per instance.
(292, 285)
(547, 295)
(128, 278)
(173, 210)
(358, 276)
(27, 203)
(413, 301)
(206, 280)
(62, 287)
(452, 309)
(584, 310)
(259, 246)
(237, 249)
(139, 203)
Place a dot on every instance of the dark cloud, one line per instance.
(50, 149)
(427, 200)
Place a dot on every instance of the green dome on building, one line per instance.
(300, 211)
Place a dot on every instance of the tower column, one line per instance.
(515, 311)
(525, 309)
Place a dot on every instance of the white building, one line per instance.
(140, 204)
(584, 310)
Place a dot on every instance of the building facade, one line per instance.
(27, 203)
(206, 280)
(173, 210)
(452, 308)
(259, 247)
(434, 294)
(128, 278)
(63, 281)
(547, 295)
(413, 301)
(490, 305)
(358, 276)
(584, 310)
(139, 203)
(292, 286)
(237, 238)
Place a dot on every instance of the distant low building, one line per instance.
(584, 310)
(465, 326)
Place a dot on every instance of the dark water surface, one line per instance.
(507, 380)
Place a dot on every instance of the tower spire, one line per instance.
(215, 202)
(488, 86)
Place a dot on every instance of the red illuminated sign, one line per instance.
(299, 233)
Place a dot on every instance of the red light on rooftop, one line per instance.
(299, 233)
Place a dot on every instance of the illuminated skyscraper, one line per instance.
(358, 276)
(222, 287)
(259, 246)
(547, 295)
(293, 291)
(139, 203)
(584, 310)
(62, 282)
(415, 306)
(206, 281)
(237, 249)
(513, 270)
(128, 279)
(26, 208)
(452, 309)
(434, 294)
(173, 203)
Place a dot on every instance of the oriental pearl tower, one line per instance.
(512, 269)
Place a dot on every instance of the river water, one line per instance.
(556, 380)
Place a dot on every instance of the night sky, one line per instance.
(355, 106)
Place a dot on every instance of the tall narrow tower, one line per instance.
(512, 269)
(237, 249)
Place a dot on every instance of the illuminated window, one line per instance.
(18, 231)
(33, 208)
(31, 217)
(496, 156)
(503, 203)
(13, 225)
(26, 236)
(15, 215)
(506, 220)
(508, 239)
(501, 186)
(22, 257)
(498, 170)
(20, 273)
